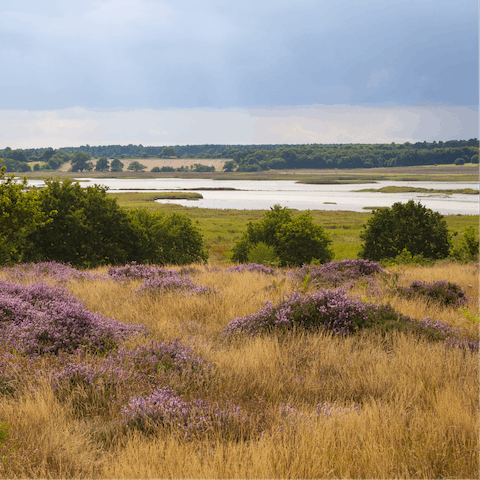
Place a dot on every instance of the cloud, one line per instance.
(282, 125)
(185, 54)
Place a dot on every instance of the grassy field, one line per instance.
(222, 228)
(283, 404)
(440, 173)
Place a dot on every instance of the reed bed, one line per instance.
(182, 398)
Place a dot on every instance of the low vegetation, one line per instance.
(340, 370)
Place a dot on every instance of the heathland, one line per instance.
(143, 372)
(214, 370)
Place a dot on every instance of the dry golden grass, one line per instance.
(418, 402)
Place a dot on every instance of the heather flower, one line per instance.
(164, 408)
(39, 319)
(251, 267)
(169, 358)
(172, 281)
(330, 309)
(60, 272)
(336, 273)
(445, 293)
(135, 270)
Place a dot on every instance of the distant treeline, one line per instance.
(250, 158)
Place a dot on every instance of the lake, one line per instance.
(256, 195)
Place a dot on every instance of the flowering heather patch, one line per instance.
(162, 358)
(135, 270)
(251, 267)
(336, 273)
(60, 272)
(172, 281)
(464, 343)
(164, 408)
(443, 292)
(331, 309)
(39, 319)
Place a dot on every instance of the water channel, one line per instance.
(256, 195)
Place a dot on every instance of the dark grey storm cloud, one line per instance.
(217, 54)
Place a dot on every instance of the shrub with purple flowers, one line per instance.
(330, 309)
(60, 272)
(445, 293)
(135, 270)
(167, 358)
(39, 319)
(252, 267)
(336, 273)
(172, 281)
(165, 409)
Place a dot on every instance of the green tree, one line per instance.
(87, 227)
(102, 165)
(408, 226)
(459, 161)
(229, 166)
(168, 152)
(20, 214)
(136, 167)
(295, 240)
(80, 162)
(165, 239)
(116, 166)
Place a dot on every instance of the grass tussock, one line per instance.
(181, 399)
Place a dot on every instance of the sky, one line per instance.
(179, 72)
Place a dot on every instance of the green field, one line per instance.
(440, 173)
(222, 228)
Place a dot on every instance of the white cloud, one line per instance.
(303, 124)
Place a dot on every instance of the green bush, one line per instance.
(408, 226)
(467, 251)
(87, 228)
(162, 239)
(264, 255)
(295, 240)
(20, 214)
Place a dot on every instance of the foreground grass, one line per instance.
(418, 405)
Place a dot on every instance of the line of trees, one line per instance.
(251, 158)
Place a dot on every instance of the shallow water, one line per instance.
(251, 194)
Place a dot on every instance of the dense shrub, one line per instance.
(251, 267)
(172, 281)
(336, 273)
(20, 214)
(39, 319)
(60, 272)
(164, 408)
(166, 239)
(295, 240)
(263, 254)
(442, 292)
(87, 228)
(408, 226)
(467, 250)
(330, 309)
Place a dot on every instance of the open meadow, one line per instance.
(190, 372)
(222, 228)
